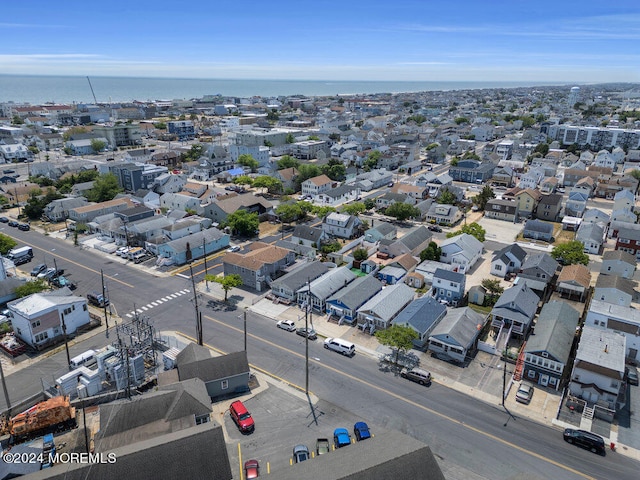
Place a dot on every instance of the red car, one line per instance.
(251, 469)
(241, 416)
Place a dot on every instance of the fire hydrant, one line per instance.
(612, 446)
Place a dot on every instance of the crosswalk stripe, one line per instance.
(145, 308)
(155, 304)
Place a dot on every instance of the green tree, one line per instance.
(290, 138)
(483, 197)
(432, 252)
(446, 197)
(371, 162)
(315, 138)
(322, 212)
(402, 211)
(399, 337)
(328, 248)
(272, 184)
(454, 161)
(243, 180)
(105, 187)
(243, 223)
(287, 161)
(194, 153)
(6, 243)
(288, 212)
(97, 145)
(227, 282)
(29, 288)
(16, 120)
(369, 204)
(494, 290)
(472, 229)
(272, 115)
(335, 171)
(461, 120)
(570, 253)
(37, 202)
(542, 148)
(160, 125)
(360, 254)
(247, 160)
(355, 208)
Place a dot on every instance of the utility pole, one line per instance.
(504, 381)
(206, 272)
(104, 300)
(64, 325)
(245, 329)
(306, 341)
(6, 392)
(195, 302)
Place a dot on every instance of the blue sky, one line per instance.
(425, 40)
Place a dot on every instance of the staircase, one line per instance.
(587, 413)
(503, 339)
(517, 373)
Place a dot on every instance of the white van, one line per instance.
(340, 346)
(86, 359)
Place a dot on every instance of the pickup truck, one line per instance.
(322, 446)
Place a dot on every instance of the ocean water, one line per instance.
(36, 89)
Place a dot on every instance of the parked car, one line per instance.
(122, 251)
(25, 227)
(300, 453)
(322, 446)
(288, 325)
(97, 299)
(585, 439)
(341, 437)
(241, 416)
(524, 393)
(12, 223)
(632, 375)
(361, 431)
(4, 220)
(38, 269)
(310, 333)
(48, 274)
(416, 375)
(251, 469)
(235, 248)
(435, 228)
(61, 281)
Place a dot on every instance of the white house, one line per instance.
(316, 185)
(461, 251)
(341, 225)
(38, 319)
(618, 318)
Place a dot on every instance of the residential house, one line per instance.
(287, 176)
(538, 271)
(619, 319)
(391, 275)
(443, 214)
(148, 198)
(180, 201)
(507, 260)
(448, 287)
(538, 230)
(185, 226)
(287, 286)
(598, 369)
(379, 311)
(407, 262)
(531, 179)
(416, 192)
(323, 287)
(387, 199)
(220, 209)
(338, 195)
(629, 241)
(527, 201)
(573, 281)
(549, 185)
(549, 207)
(477, 295)
(347, 300)
(547, 352)
(623, 215)
(472, 171)
(455, 336)
(593, 215)
(139, 233)
(168, 183)
(377, 178)
(196, 245)
(382, 230)
(503, 176)
(87, 213)
(615, 290)
(618, 262)
(426, 270)
(576, 203)
(501, 209)
(412, 242)
(43, 319)
(592, 237)
(309, 236)
(222, 375)
(462, 251)
(515, 309)
(605, 159)
(82, 189)
(58, 210)
(422, 315)
(341, 225)
(259, 266)
(317, 185)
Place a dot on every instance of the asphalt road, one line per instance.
(461, 431)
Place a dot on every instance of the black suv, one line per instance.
(585, 439)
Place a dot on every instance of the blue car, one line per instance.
(361, 431)
(341, 437)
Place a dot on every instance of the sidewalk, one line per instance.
(543, 407)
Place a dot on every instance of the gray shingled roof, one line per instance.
(195, 239)
(389, 301)
(518, 303)
(357, 292)
(555, 330)
(543, 261)
(415, 237)
(298, 277)
(449, 275)
(307, 233)
(330, 282)
(215, 368)
(621, 255)
(613, 281)
(384, 228)
(461, 324)
(514, 249)
(421, 314)
(538, 226)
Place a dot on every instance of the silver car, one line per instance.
(524, 393)
(416, 375)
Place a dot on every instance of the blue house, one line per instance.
(198, 244)
(448, 286)
(346, 302)
(422, 315)
(472, 171)
(391, 275)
